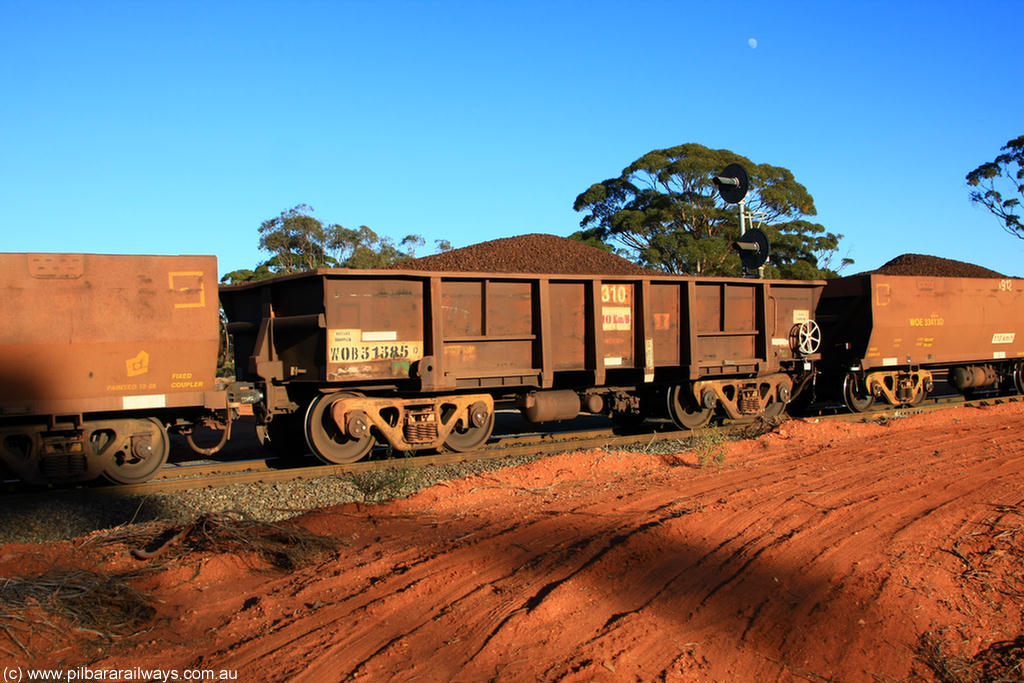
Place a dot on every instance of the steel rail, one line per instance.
(262, 471)
(184, 477)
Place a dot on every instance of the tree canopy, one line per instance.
(1004, 176)
(664, 211)
(299, 242)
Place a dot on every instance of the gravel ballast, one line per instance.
(61, 515)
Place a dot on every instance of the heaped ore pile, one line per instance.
(933, 266)
(534, 253)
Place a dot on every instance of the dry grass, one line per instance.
(74, 599)
(991, 566)
(35, 609)
(761, 426)
(385, 484)
(283, 547)
(1001, 662)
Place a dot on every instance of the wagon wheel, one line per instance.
(773, 409)
(684, 411)
(918, 397)
(1018, 378)
(466, 438)
(144, 452)
(327, 440)
(855, 395)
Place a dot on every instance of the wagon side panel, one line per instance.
(727, 329)
(668, 303)
(938, 320)
(374, 327)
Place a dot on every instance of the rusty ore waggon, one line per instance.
(99, 355)
(420, 359)
(891, 338)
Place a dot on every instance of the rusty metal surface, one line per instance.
(452, 331)
(892, 320)
(752, 398)
(219, 474)
(442, 417)
(85, 332)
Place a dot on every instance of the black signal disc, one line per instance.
(753, 258)
(733, 193)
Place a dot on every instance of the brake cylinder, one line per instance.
(968, 376)
(549, 406)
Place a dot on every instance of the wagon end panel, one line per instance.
(278, 327)
(844, 313)
(91, 332)
(793, 331)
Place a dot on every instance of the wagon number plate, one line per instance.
(352, 346)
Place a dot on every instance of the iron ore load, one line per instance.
(419, 359)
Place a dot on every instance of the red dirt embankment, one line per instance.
(823, 551)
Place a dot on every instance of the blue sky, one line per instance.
(177, 127)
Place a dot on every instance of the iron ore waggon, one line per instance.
(892, 338)
(99, 356)
(421, 359)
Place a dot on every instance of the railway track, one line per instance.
(206, 474)
(185, 476)
(272, 470)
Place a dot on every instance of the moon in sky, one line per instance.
(752, 42)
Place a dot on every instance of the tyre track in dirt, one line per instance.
(815, 552)
(560, 555)
(754, 545)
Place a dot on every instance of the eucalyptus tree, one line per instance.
(299, 242)
(1000, 186)
(664, 211)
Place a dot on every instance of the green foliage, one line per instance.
(363, 248)
(590, 239)
(298, 242)
(262, 272)
(1005, 174)
(665, 212)
(709, 447)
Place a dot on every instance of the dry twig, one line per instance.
(284, 547)
(62, 599)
